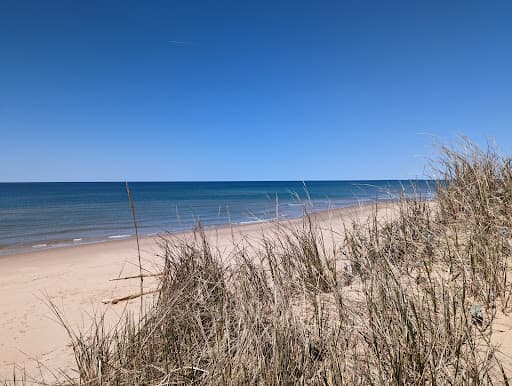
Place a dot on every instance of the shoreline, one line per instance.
(41, 246)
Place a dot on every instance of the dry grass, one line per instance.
(408, 300)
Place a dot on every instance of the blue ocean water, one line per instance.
(44, 215)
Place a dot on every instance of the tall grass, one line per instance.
(405, 299)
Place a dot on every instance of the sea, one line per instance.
(35, 216)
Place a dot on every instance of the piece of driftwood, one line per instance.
(135, 277)
(128, 297)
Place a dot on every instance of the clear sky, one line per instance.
(238, 90)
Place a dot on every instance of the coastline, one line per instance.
(77, 278)
(22, 249)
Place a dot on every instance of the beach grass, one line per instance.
(402, 298)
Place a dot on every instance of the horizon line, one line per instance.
(215, 181)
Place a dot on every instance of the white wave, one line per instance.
(252, 222)
(39, 245)
(76, 240)
(118, 236)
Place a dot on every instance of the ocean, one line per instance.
(47, 215)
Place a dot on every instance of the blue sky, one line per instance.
(235, 90)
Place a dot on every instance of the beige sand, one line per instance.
(77, 279)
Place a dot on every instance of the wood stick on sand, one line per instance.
(128, 297)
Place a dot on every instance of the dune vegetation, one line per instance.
(409, 298)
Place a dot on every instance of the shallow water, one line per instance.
(44, 215)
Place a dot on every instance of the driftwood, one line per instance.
(135, 277)
(128, 297)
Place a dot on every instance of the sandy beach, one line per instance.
(77, 279)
